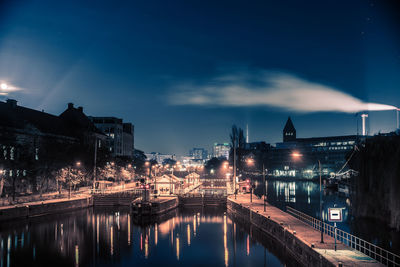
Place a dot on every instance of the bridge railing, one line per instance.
(379, 254)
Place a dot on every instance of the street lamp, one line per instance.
(77, 164)
(297, 156)
(250, 162)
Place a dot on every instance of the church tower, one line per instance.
(289, 132)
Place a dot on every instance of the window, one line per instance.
(12, 149)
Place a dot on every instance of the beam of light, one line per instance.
(273, 89)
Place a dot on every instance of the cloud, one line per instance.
(273, 89)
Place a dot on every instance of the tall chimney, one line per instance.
(12, 103)
(364, 117)
(247, 133)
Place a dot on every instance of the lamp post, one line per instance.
(77, 164)
(95, 162)
(320, 202)
(234, 167)
(297, 155)
(250, 162)
(265, 189)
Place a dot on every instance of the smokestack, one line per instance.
(247, 133)
(364, 117)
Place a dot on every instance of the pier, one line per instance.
(301, 240)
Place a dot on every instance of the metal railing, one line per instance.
(379, 254)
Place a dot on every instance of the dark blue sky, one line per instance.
(129, 59)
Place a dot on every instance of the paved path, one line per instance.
(344, 254)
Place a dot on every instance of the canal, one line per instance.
(305, 197)
(111, 237)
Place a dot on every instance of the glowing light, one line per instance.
(188, 234)
(4, 86)
(76, 255)
(111, 241)
(296, 155)
(226, 254)
(177, 248)
(146, 247)
(248, 245)
(156, 234)
(129, 229)
(250, 161)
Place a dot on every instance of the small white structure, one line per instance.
(166, 184)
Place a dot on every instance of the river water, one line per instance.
(183, 237)
(111, 237)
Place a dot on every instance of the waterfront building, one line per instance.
(221, 150)
(120, 135)
(33, 143)
(167, 184)
(330, 151)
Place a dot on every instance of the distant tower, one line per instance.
(289, 132)
(364, 129)
(247, 133)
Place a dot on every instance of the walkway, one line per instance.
(308, 235)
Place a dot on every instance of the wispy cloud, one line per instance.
(274, 89)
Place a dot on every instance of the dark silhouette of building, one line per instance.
(289, 132)
(120, 135)
(33, 143)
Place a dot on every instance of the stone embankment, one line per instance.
(300, 240)
(39, 208)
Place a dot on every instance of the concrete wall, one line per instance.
(294, 246)
(38, 209)
(114, 199)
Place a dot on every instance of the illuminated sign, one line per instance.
(335, 215)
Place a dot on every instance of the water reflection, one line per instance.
(94, 237)
(305, 196)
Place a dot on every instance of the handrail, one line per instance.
(379, 254)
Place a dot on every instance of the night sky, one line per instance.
(165, 66)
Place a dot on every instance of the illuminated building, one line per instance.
(331, 151)
(221, 150)
(120, 135)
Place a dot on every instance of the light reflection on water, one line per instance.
(94, 237)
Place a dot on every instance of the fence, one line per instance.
(381, 255)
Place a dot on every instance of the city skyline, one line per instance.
(142, 63)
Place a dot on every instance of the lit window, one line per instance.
(36, 153)
(12, 153)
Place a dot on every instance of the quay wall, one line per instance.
(114, 199)
(190, 200)
(297, 249)
(43, 208)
